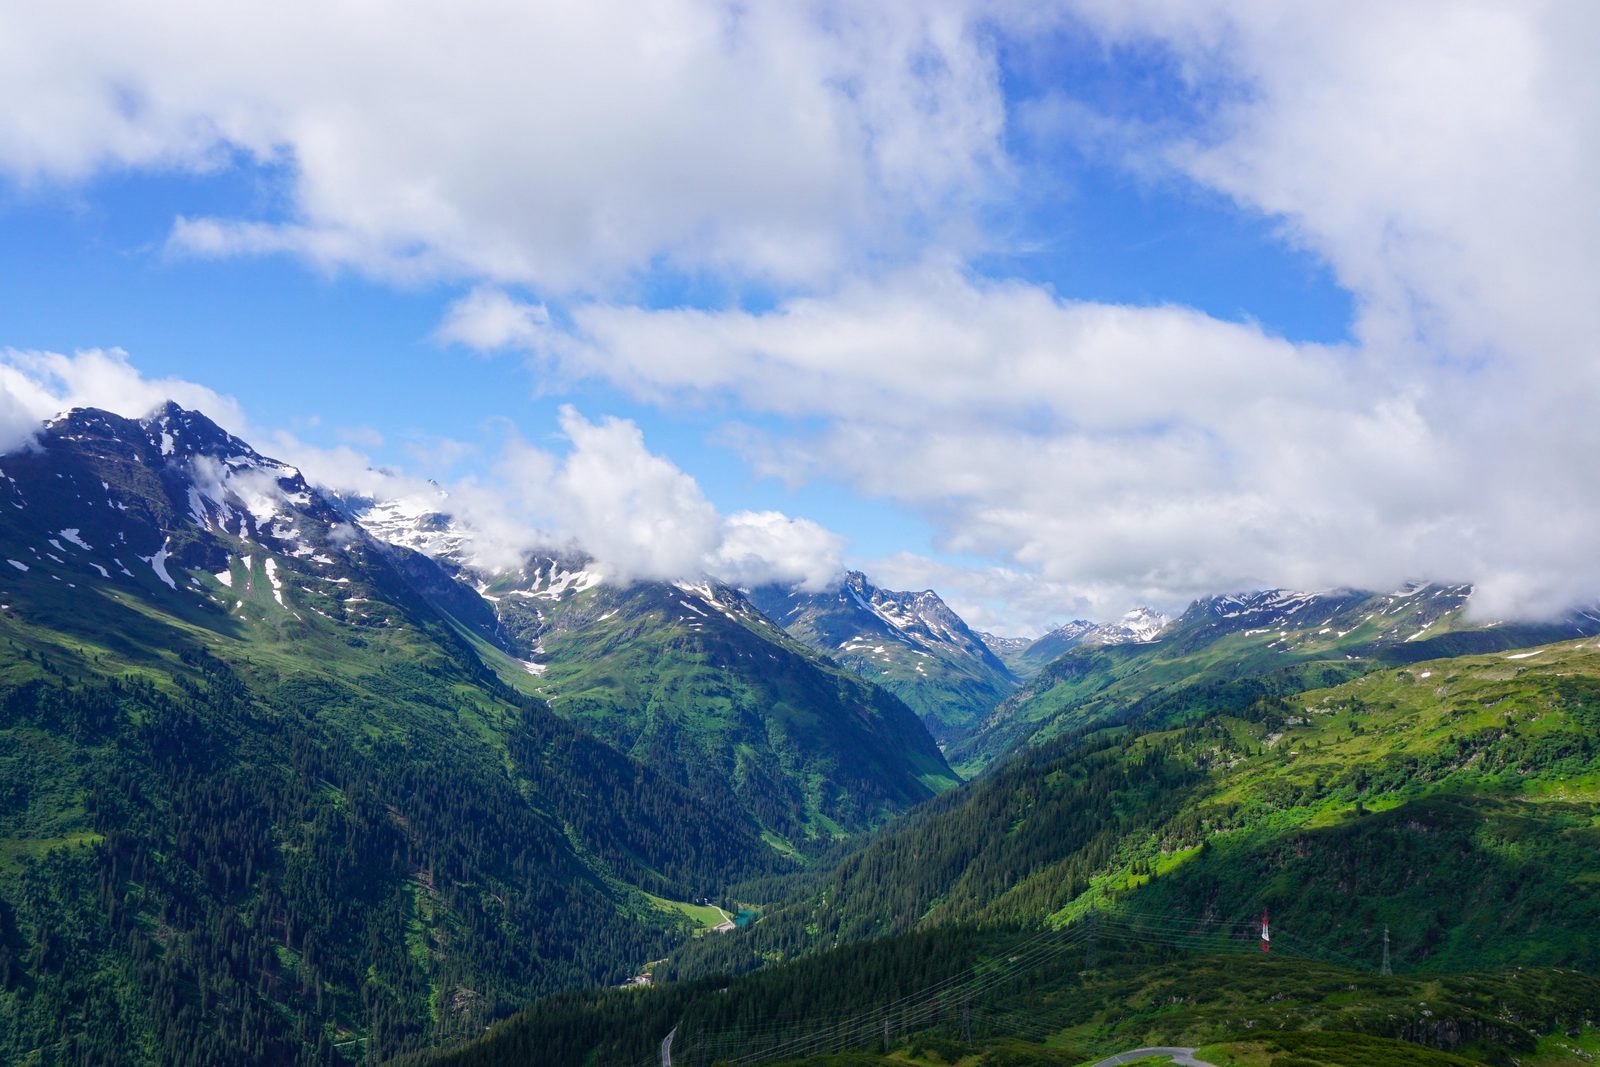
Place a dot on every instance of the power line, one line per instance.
(954, 997)
(922, 1005)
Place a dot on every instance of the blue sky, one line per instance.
(1039, 307)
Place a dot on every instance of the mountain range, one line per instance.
(1027, 658)
(258, 756)
(291, 776)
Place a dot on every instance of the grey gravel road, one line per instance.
(1183, 1056)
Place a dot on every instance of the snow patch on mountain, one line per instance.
(158, 563)
(1143, 624)
(1004, 646)
(271, 566)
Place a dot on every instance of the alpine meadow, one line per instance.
(684, 533)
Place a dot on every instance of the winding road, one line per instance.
(1182, 1056)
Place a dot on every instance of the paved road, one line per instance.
(1184, 1056)
(666, 1047)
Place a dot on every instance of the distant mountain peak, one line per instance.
(1139, 624)
(1143, 623)
(911, 643)
(416, 522)
(182, 432)
(1003, 646)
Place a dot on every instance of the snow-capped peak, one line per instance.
(416, 522)
(1138, 625)
(1142, 624)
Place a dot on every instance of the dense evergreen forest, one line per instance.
(249, 886)
(981, 996)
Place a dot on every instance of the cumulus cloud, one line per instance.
(635, 512)
(548, 144)
(632, 509)
(486, 319)
(35, 386)
(1437, 156)
(19, 420)
(604, 494)
(769, 547)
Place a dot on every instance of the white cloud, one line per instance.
(35, 386)
(1119, 456)
(634, 511)
(937, 343)
(487, 319)
(769, 547)
(1438, 156)
(18, 421)
(603, 494)
(547, 144)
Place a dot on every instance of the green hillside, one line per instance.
(1234, 649)
(1003, 997)
(695, 683)
(272, 791)
(261, 803)
(220, 851)
(1457, 801)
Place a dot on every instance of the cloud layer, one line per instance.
(552, 144)
(635, 512)
(1438, 156)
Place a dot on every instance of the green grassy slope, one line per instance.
(1456, 802)
(372, 857)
